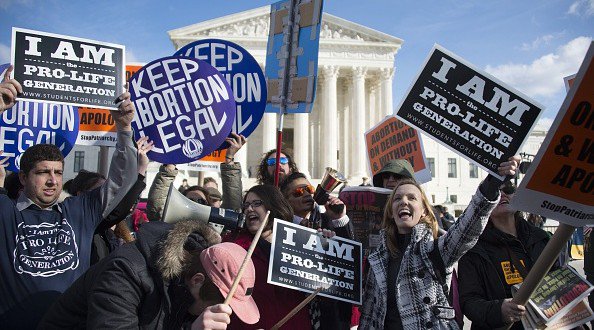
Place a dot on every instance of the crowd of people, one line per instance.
(88, 262)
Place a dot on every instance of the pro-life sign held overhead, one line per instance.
(560, 182)
(468, 110)
(67, 70)
(301, 259)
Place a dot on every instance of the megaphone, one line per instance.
(179, 207)
(332, 179)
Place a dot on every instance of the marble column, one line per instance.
(329, 132)
(379, 112)
(301, 142)
(345, 127)
(269, 127)
(386, 90)
(359, 154)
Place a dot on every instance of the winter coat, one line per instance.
(137, 286)
(422, 301)
(481, 289)
(232, 186)
(158, 193)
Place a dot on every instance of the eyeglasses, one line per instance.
(200, 200)
(272, 161)
(300, 191)
(255, 203)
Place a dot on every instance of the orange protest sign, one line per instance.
(560, 183)
(392, 139)
(131, 69)
(216, 156)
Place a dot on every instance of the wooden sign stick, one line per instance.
(246, 259)
(296, 309)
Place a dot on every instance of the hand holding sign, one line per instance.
(125, 114)
(144, 146)
(235, 143)
(9, 89)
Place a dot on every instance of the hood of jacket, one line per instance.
(163, 244)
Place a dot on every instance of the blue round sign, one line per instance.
(243, 73)
(29, 123)
(184, 105)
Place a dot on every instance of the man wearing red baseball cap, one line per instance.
(170, 277)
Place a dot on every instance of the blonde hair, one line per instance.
(389, 225)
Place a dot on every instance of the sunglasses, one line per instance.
(508, 189)
(255, 203)
(272, 161)
(300, 191)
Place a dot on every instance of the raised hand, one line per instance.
(9, 90)
(144, 146)
(235, 143)
(125, 114)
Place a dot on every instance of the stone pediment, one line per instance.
(254, 25)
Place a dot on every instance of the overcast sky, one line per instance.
(530, 44)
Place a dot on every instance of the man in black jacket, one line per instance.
(163, 280)
(299, 192)
(504, 254)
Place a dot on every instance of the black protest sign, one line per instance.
(468, 110)
(67, 70)
(365, 208)
(301, 259)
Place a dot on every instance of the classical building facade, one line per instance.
(354, 92)
(355, 71)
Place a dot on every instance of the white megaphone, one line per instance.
(179, 207)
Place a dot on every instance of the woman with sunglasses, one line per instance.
(410, 269)
(504, 254)
(273, 301)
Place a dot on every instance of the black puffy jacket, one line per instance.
(134, 287)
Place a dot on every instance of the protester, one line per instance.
(47, 244)
(268, 166)
(9, 91)
(274, 302)
(503, 256)
(392, 172)
(299, 193)
(409, 271)
(184, 186)
(164, 280)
